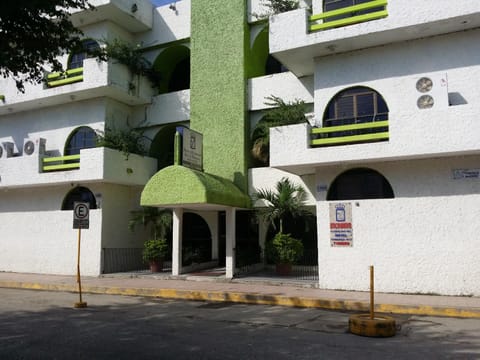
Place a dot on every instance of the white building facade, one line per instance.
(394, 137)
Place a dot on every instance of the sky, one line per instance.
(162, 2)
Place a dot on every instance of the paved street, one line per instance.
(44, 325)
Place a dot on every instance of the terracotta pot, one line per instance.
(284, 269)
(156, 266)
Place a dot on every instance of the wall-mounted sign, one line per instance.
(192, 149)
(341, 232)
(466, 174)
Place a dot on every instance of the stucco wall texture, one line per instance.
(218, 86)
(425, 240)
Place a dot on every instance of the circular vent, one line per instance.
(425, 102)
(424, 84)
(29, 148)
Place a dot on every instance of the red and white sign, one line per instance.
(341, 232)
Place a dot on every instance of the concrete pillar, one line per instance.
(230, 242)
(214, 232)
(177, 241)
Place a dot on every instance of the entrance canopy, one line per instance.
(178, 186)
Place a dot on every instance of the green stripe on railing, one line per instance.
(349, 9)
(65, 81)
(75, 71)
(350, 139)
(349, 20)
(73, 162)
(63, 78)
(61, 167)
(61, 158)
(369, 125)
(54, 75)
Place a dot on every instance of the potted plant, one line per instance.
(160, 222)
(285, 250)
(154, 252)
(286, 201)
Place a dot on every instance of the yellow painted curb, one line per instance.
(252, 298)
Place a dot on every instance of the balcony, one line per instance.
(91, 165)
(297, 37)
(412, 134)
(95, 79)
(132, 15)
(350, 134)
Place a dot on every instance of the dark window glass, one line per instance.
(273, 66)
(355, 105)
(81, 138)
(76, 59)
(180, 78)
(329, 5)
(358, 184)
(79, 194)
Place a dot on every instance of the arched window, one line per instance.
(360, 183)
(329, 5)
(81, 138)
(79, 194)
(76, 58)
(173, 67)
(355, 105)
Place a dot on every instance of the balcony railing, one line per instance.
(64, 78)
(60, 163)
(348, 134)
(349, 15)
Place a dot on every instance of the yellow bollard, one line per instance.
(371, 324)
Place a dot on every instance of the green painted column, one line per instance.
(218, 100)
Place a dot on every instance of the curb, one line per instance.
(254, 298)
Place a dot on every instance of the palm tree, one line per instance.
(287, 200)
(160, 220)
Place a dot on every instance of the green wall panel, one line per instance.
(218, 86)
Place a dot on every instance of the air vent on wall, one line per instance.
(6, 150)
(432, 91)
(34, 146)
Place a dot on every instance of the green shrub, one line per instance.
(155, 250)
(284, 249)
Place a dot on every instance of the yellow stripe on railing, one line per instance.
(348, 20)
(58, 163)
(338, 140)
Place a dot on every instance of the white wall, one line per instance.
(394, 69)
(417, 245)
(284, 85)
(117, 203)
(425, 240)
(45, 242)
(168, 24)
(53, 123)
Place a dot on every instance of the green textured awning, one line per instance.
(179, 186)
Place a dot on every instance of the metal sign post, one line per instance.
(80, 221)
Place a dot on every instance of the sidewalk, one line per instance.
(251, 292)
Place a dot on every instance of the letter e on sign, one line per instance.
(81, 212)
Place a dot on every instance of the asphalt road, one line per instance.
(44, 325)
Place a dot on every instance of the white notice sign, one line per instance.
(192, 149)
